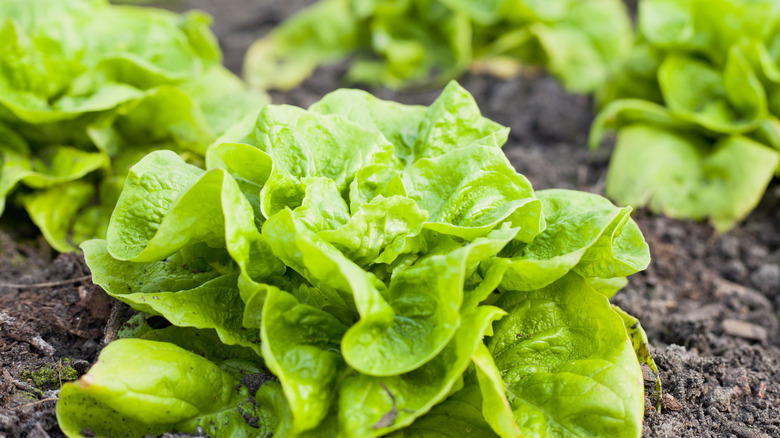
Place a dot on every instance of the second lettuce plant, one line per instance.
(412, 43)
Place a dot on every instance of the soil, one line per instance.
(710, 303)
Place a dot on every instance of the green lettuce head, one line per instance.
(415, 43)
(87, 89)
(386, 264)
(696, 111)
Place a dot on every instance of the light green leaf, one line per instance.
(496, 409)
(586, 234)
(54, 211)
(305, 144)
(399, 123)
(128, 392)
(344, 285)
(392, 402)
(195, 288)
(454, 121)
(724, 182)
(459, 416)
(698, 93)
(478, 190)
(319, 34)
(426, 301)
(301, 347)
(384, 226)
(565, 343)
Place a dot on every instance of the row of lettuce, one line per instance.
(87, 89)
(382, 268)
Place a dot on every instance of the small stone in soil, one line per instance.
(670, 403)
(745, 330)
(767, 278)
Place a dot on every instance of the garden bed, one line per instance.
(709, 303)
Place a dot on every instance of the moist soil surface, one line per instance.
(710, 303)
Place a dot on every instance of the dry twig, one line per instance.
(47, 284)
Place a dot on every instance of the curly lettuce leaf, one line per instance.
(457, 417)
(426, 300)
(305, 144)
(305, 358)
(551, 352)
(392, 402)
(193, 289)
(95, 55)
(585, 234)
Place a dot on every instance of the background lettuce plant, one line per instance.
(695, 107)
(423, 42)
(386, 264)
(87, 89)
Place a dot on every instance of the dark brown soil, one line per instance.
(710, 303)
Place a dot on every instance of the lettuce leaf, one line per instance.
(550, 352)
(130, 391)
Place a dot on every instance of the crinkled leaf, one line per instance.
(392, 402)
(189, 289)
(426, 301)
(305, 144)
(457, 417)
(301, 347)
(94, 86)
(551, 352)
(586, 234)
(168, 204)
(478, 190)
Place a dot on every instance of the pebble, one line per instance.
(745, 330)
(720, 397)
(670, 403)
(767, 278)
(734, 270)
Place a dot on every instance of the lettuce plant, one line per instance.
(385, 264)
(423, 42)
(695, 107)
(87, 89)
